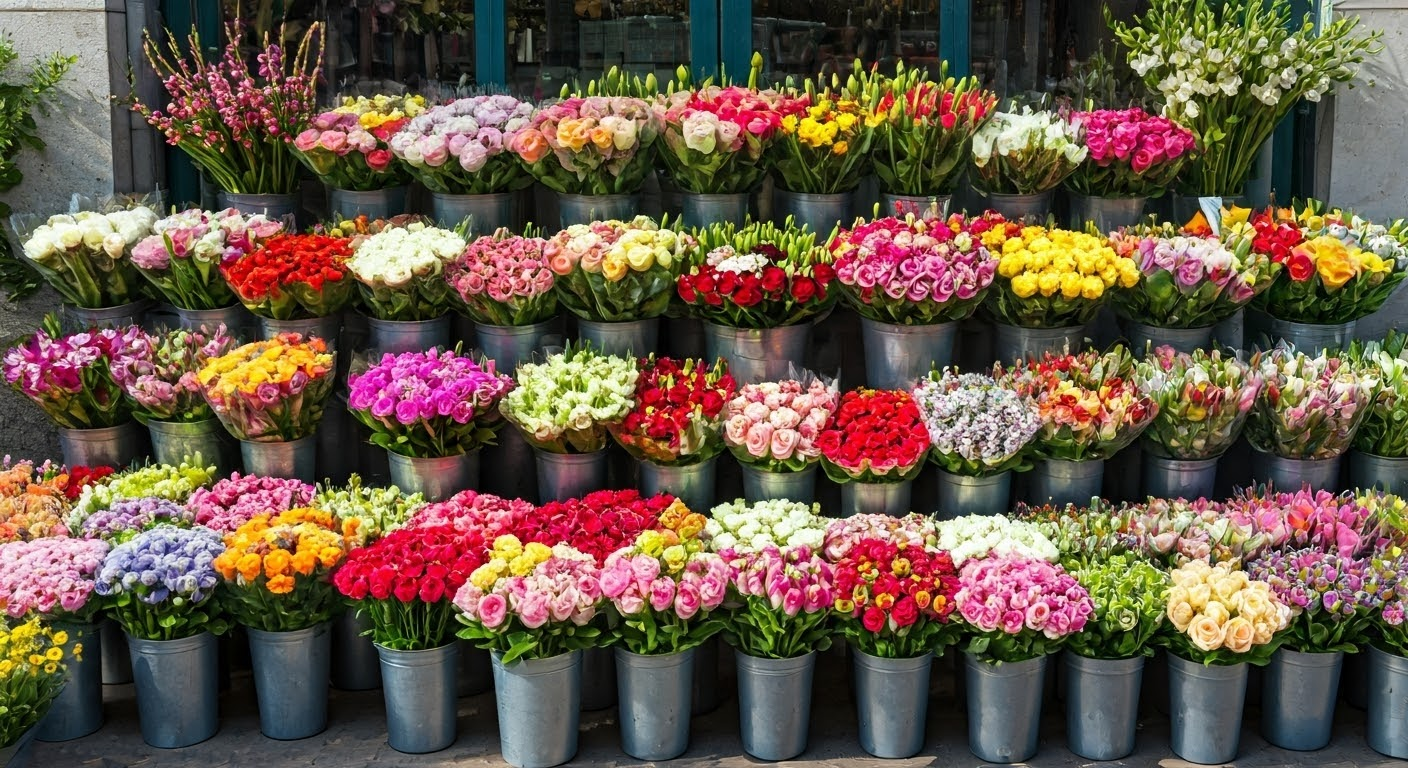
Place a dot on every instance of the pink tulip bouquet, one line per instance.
(666, 590)
(784, 601)
(158, 373)
(1311, 407)
(714, 137)
(912, 271)
(1318, 519)
(1190, 282)
(51, 578)
(1131, 153)
(594, 145)
(182, 259)
(70, 378)
(466, 147)
(1203, 401)
(1178, 531)
(347, 147)
(774, 426)
(1019, 608)
(504, 281)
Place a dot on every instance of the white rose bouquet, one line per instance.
(401, 271)
(1025, 153)
(566, 403)
(85, 256)
(745, 528)
(980, 536)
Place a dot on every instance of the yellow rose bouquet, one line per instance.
(614, 271)
(270, 391)
(1218, 615)
(825, 142)
(32, 674)
(276, 570)
(1056, 278)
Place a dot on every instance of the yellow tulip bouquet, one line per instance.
(825, 142)
(276, 570)
(32, 674)
(1056, 278)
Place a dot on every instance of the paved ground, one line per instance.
(356, 737)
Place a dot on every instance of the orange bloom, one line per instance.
(249, 565)
(305, 562)
(277, 563)
(281, 585)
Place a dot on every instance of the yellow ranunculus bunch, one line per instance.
(373, 112)
(824, 145)
(1217, 615)
(277, 567)
(1056, 278)
(32, 673)
(509, 557)
(272, 390)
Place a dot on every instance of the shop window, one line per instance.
(800, 38)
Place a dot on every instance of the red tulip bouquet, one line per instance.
(293, 277)
(923, 146)
(714, 137)
(878, 436)
(757, 276)
(679, 412)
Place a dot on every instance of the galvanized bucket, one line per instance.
(819, 213)
(1264, 331)
(176, 441)
(693, 484)
(1108, 214)
(761, 485)
(1387, 729)
(293, 459)
(655, 695)
(1382, 472)
(1299, 691)
(75, 319)
(919, 206)
(374, 204)
(774, 704)
(632, 338)
(419, 689)
(961, 495)
(892, 703)
(438, 478)
(1102, 705)
(329, 328)
(585, 209)
(392, 337)
(178, 690)
(1205, 705)
(1034, 207)
(485, 213)
(281, 207)
(1066, 482)
(876, 498)
(1004, 708)
(898, 356)
(757, 355)
(563, 476)
(291, 680)
(237, 320)
(1166, 478)
(1291, 474)
(1017, 343)
(538, 709)
(78, 709)
(510, 346)
(1142, 337)
(116, 446)
(702, 210)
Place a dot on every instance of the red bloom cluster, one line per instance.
(428, 564)
(597, 524)
(877, 435)
(1278, 239)
(678, 412)
(82, 477)
(888, 587)
(287, 260)
(772, 295)
(927, 100)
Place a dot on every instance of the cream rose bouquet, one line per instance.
(86, 256)
(401, 271)
(1217, 615)
(610, 271)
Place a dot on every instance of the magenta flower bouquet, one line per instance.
(774, 426)
(1131, 153)
(594, 145)
(1311, 407)
(665, 591)
(51, 577)
(1333, 599)
(465, 147)
(1190, 282)
(70, 378)
(347, 146)
(912, 271)
(784, 599)
(1019, 608)
(182, 259)
(504, 281)
(235, 500)
(158, 373)
(1338, 523)
(429, 404)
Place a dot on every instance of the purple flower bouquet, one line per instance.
(159, 585)
(158, 373)
(128, 517)
(462, 148)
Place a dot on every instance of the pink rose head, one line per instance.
(333, 141)
(492, 610)
(532, 609)
(687, 600)
(793, 601)
(306, 140)
(662, 593)
(616, 578)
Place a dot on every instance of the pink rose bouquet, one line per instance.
(70, 378)
(784, 601)
(911, 531)
(1190, 282)
(1019, 608)
(347, 147)
(594, 145)
(52, 578)
(466, 147)
(714, 137)
(610, 271)
(183, 258)
(665, 589)
(158, 373)
(1131, 153)
(235, 500)
(774, 426)
(504, 281)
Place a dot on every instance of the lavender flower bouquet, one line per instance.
(160, 585)
(128, 517)
(462, 148)
(1333, 599)
(50, 577)
(977, 427)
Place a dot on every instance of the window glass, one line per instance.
(800, 38)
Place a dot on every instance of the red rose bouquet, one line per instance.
(601, 522)
(895, 600)
(679, 412)
(757, 276)
(293, 277)
(878, 436)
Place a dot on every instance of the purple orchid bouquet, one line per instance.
(161, 584)
(69, 377)
(976, 427)
(128, 517)
(158, 373)
(463, 148)
(50, 577)
(1311, 406)
(429, 404)
(235, 500)
(1333, 599)
(182, 259)
(1190, 282)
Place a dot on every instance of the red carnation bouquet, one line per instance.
(599, 523)
(406, 580)
(895, 600)
(877, 436)
(293, 277)
(679, 410)
(757, 276)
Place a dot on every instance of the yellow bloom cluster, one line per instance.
(275, 361)
(31, 648)
(374, 111)
(641, 249)
(830, 123)
(281, 548)
(1219, 607)
(509, 557)
(1337, 263)
(1052, 261)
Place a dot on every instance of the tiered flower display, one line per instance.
(713, 138)
(566, 403)
(348, 146)
(594, 145)
(466, 147)
(975, 426)
(270, 391)
(276, 570)
(158, 373)
(1203, 401)
(86, 256)
(1025, 153)
(878, 436)
(1130, 153)
(612, 271)
(678, 413)
(1090, 404)
(293, 277)
(1311, 406)
(757, 276)
(504, 280)
(69, 377)
(1190, 282)
(1057, 278)
(182, 259)
(924, 144)
(429, 404)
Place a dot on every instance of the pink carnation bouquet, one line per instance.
(1131, 153)
(594, 145)
(1019, 608)
(50, 577)
(784, 599)
(665, 589)
(504, 280)
(773, 426)
(182, 259)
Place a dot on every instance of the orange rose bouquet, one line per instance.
(276, 570)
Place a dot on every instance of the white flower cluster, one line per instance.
(578, 392)
(112, 233)
(395, 256)
(979, 536)
(745, 527)
(726, 259)
(1024, 134)
(975, 421)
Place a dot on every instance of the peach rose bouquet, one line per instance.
(1219, 615)
(594, 145)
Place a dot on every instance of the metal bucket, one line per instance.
(510, 346)
(819, 213)
(438, 478)
(17, 755)
(1179, 478)
(178, 702)
(1382, 472)
(1066, 482)
(115, 446)
(175, 441)
(1292, 474)
(761, 485)
(1102, 705)
(1004, 708)
(693, 484)
(74, 319)
(1108, 214)
(774, 704)
(961, 495)
(1017, 343)
(291, 680)
(898, 356)
(355, 666)
(563, 476)
(1205, 705)
(294, 459)
(419, 689)
(756, 355)
(1181, 339)
(585, 209)
(1387, 729)
(392, 337)
(1264, 331)
(707, 694)
(374, 204)
(485, 213)
(892, 703)
(237, 320)
(702, 210)
(1299, 691)
(632, 338)
(655, 701)
(538, 709)
(1035, 207)
(280, 207)
(507, 468)
(920, 206)
(876, 498)
(328, 328)
(78, 709)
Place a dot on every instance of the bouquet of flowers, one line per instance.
(1202, 399)
(276, 570)
(1129, 597)
(774, 426)
(1130, 153)
(1316, 519)
(531, 601)
(976, 537)
(270, 391)
(665, 588)
(161, 481)
(1025, 153)
(924, 144)
(1326, 280)
(1180, 531)
(714, 137)
(896, 601)
(33, 501)
(85, 256)
(158, 373)
(1190, 282)
(601, 522)
(401, 271)
(747, 528)
(679, 409)
(912, 271)
(844, 535)
(236, 127)
(161, 584)
(237, 499)
(1087, 534)
(1332, 599)
(1391, 623)
(593, 145)
(348, 147)
(825, 143)
(610, 271)
(429, 404)
(365, 513)
(293, 277)
(128, 517)
(183, 256)
(1057, 278)
(505, 280)
(757, 276)
(1209, 61)
(784, 598)
(32, 674)
(1091, 405)
(1218, 615)
(1311, 406)
(976, 427)
(566, 403)
(466, 147)
(878, 436)
(50, 578)
(482, 515)
(405, 581)
(70, 378)
(1382, 433)
(1019, 608)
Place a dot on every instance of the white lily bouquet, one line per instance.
(401, 271)
(565, 403)
(85, 256)
(1027, 152)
